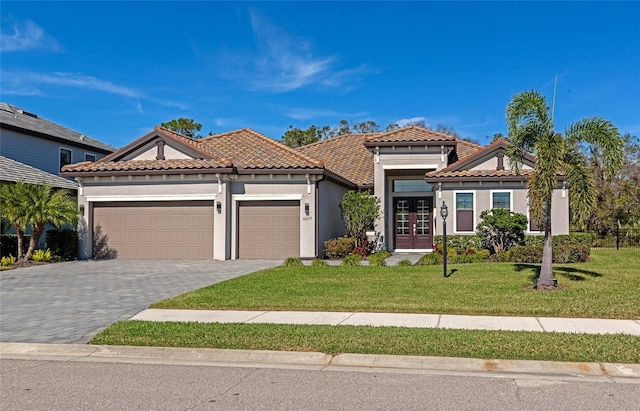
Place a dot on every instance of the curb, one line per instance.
(611, 372)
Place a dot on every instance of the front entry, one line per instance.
(412, 217)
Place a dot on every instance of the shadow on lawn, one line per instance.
(571, 273)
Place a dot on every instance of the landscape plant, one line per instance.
(42, 255)
(8, 260)
(351, 260)
(501, 229)
(531, 129)
(318, 262)
(359, 211)
(292, 262)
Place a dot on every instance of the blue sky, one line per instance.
(113, 70)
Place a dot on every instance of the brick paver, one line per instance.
(70, 302)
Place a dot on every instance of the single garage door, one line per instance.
(163, 229)
(268, 229)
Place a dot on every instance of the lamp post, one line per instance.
(444, 212)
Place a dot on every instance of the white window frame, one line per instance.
(60, 165)
(503, 191)
(455, 210)
(90, 154)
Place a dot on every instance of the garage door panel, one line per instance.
(268, 229)
(158, 229)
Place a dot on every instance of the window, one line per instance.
(410, 186)
(89, 157)
(464, 212)
(65, 157)
(501, 199)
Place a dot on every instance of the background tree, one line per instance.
(618, 198)
(359, 211)
(185, 126)
(296, 137)
(531, 128)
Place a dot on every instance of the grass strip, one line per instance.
(378, 340)
(605, 287)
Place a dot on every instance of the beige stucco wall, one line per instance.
(491, 163)
(150, 152)
(482, 201)
(331, 222)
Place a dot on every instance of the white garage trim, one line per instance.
(167, 197)
(266, 197)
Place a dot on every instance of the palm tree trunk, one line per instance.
(546, 273)
(35, 237)
(20, 236)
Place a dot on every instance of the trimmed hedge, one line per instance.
(63, 243)
(9, 244)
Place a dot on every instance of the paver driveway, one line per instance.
(70, 302)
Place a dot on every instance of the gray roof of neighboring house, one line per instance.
(13, 117)
(14, 171)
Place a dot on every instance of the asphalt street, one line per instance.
(72, 301)
(57, 385)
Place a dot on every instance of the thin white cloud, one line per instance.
(302, 114)
(412, 120)
(282, 62)
(31, 83)
(26, 35)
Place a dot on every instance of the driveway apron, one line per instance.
(72, 301)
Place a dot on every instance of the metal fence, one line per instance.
(620, 238)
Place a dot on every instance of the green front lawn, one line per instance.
(606, 287)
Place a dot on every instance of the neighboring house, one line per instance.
(243, 195)
(29, 139)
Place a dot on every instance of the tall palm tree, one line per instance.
(47, 206)
(531, 128)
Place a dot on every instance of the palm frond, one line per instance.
(604, 136)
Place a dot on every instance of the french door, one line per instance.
(412, 223)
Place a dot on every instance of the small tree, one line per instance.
(501, 229)
(185, 126)
(13, 204)
(360, 211)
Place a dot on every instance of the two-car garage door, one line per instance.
(159, 229)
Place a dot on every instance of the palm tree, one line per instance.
(47, 206)
(531, 129)
(12, 209)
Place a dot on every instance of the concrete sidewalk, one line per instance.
(541, 324)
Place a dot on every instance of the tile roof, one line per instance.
(14, 171)
(345, 156)
(139, 165)
(442, 174)
(21, 119)
(410, 134)
(248, 149)
(465, 148)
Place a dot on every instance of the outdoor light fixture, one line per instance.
(306, 209)
(81, 207)
(444, 212)
(219, 207)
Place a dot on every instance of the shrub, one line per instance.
(292, 262)
(499, 257)
(377, 259)
(363, 248)
(501, 229)
(339, 247)
(530, 253)
(42, 255)
(353, 259)
(404, 263)
(9, 244)
(430, 259)
(63, 243)
(359, 211)
(461, 243)
(7, 260)
(571, 253)
(317, 262)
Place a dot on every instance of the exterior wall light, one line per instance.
(219, 207)
(306, 209)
